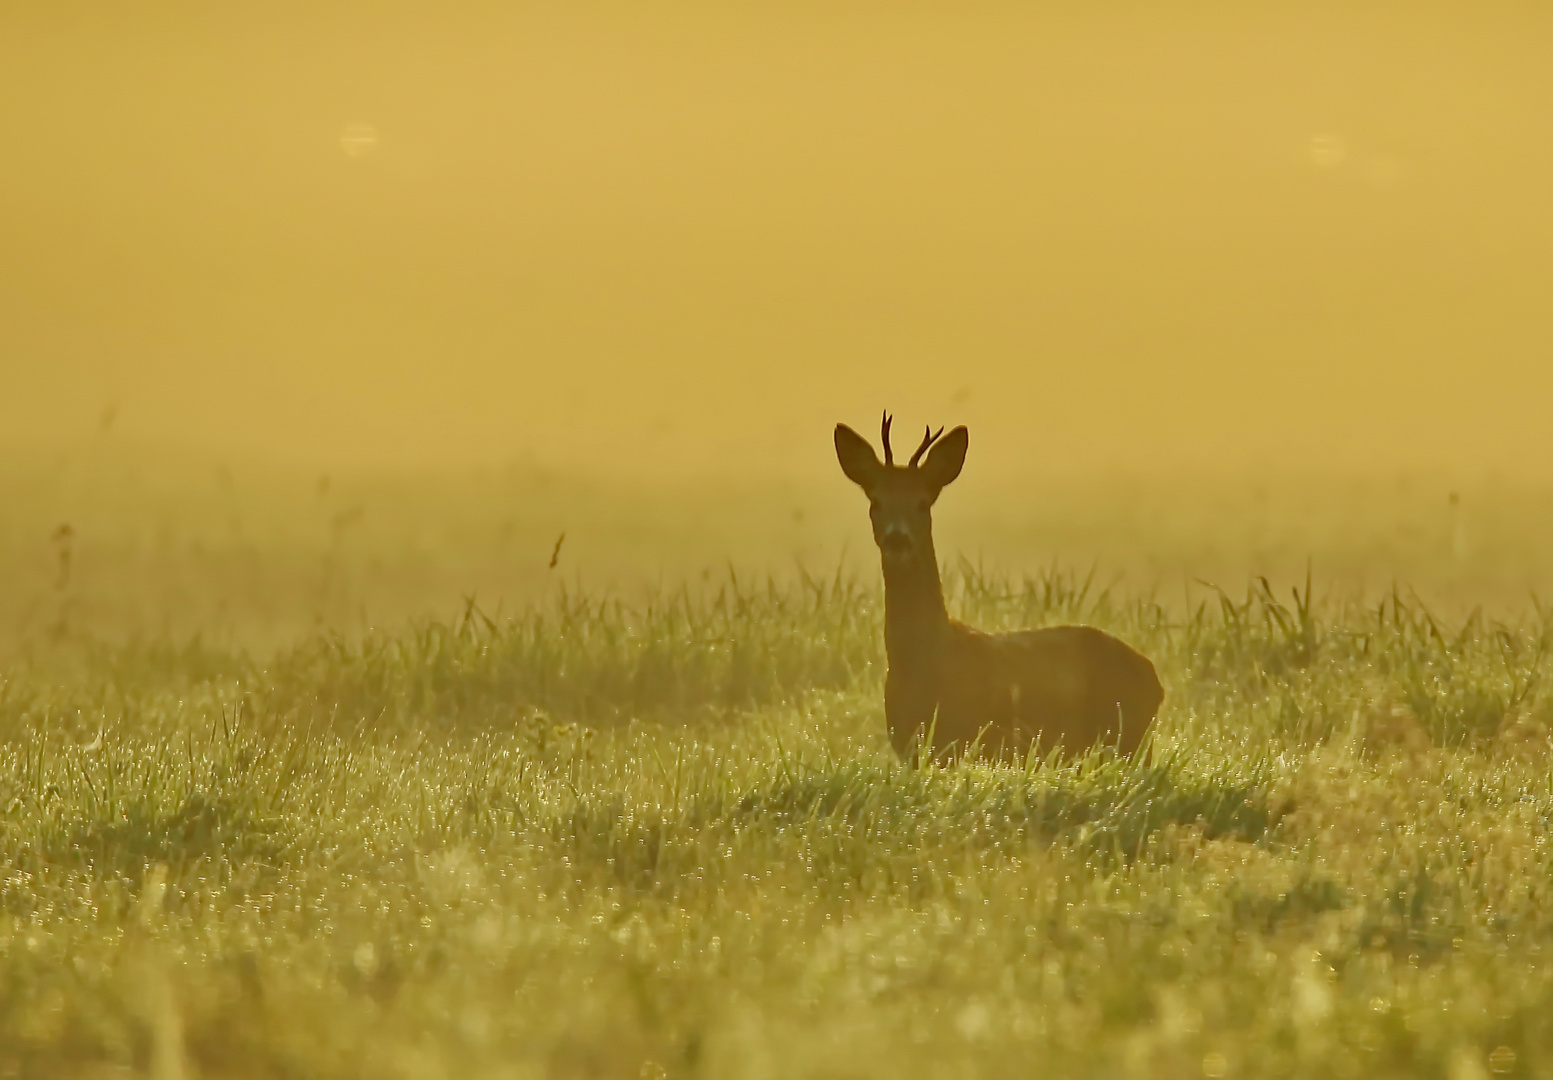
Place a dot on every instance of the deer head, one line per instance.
(901, 497)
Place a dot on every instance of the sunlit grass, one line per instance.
(667, 837)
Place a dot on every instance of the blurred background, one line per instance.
(1218, 287)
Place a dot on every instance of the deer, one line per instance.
(952, 690)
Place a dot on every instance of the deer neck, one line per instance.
(915, 619)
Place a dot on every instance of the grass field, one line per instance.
(279, 803)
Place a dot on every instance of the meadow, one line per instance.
(322, 777)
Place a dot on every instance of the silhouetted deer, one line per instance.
(1067, 685)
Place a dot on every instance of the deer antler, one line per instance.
(929, 437)
(884, 431)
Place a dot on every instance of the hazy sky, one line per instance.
(675, 234)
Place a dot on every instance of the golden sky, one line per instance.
(675, 235)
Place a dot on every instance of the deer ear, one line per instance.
(857, 458)
(947, 457)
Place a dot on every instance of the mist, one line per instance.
(690, 238)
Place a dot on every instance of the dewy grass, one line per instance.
(672, 658)
(669, 839)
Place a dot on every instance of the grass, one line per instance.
(667, 838)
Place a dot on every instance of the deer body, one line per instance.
(1071, 686)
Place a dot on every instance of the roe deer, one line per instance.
(1060, 685)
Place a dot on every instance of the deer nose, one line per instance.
(895, 538)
